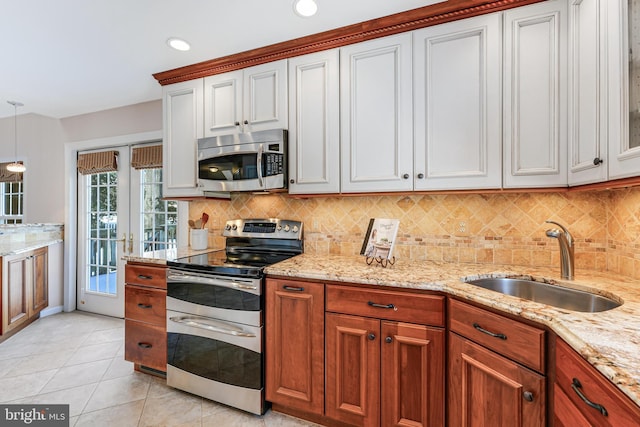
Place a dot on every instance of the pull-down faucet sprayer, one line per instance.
(566, 249)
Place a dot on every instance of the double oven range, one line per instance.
(215, 312)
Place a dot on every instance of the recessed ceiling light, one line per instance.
(178, 44)
(305, 8)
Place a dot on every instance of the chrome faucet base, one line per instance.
(566, 249)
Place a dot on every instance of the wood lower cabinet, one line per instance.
(383, 372)
(145, 328)
(490, 384)
(584, 397)
(25, 290)
(295, 345)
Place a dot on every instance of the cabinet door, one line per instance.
(623, 45)
(265, 97)
(412, 391)
(376, 115)
(39, 283)
(15, 291)
(295, 345)
(223, 103)
(353, 369)
(535, 100)
(182, 126)
(485, 389)
(314, 123)
(458, 104)
(587, 92)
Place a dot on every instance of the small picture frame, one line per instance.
(380, 238)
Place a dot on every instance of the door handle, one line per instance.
(131, 243)
(124, 243)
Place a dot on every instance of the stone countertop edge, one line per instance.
(609, 340)
(14, 248)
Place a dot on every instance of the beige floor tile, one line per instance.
(24, 385)
(91, 353)
(119, 391)
(230, 417)
(118, 368)
(77, 375)
(39, 362)
(75, 397)
(276, 419)
(105, 335)
(171, 408)
(124, 415)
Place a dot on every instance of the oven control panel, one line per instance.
(272, 228)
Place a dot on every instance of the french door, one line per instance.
(120, 213)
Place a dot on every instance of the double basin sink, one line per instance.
(549, 294)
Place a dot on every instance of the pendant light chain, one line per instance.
(16, 166)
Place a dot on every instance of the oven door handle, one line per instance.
(173, 277)
(190, 321)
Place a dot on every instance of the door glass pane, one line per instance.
(102, 219)
(158, 217)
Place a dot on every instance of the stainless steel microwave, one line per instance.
(255, 161)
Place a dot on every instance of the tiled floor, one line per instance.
(77, 359)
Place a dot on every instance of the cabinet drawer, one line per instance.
(621, 411)
(145, 275)
(145, 304)
(145, 344)
(521, 343)
(383, 304)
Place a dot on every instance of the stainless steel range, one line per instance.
(215, 307)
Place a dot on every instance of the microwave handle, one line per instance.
(259, 166)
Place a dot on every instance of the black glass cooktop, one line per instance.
(245, 264)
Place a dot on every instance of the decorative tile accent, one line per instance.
(501, 228)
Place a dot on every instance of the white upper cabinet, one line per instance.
(247, 100)
(376, 115)
(182, 126)
(457, 78)
(535, 95)
(314, 123)
(623, 47)
(587, 91)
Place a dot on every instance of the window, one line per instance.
(12, 203)
(159, 217)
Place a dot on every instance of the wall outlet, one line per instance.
(314, 225)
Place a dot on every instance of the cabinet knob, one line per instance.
(388, 340)
(292, 181)
(405, 176)
(598, 161)
(528, 396)
(237, 123)
(371, 336)
(246, 122)
(420, 176)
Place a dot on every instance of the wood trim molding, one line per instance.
(439, 13)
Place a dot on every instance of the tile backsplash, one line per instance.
(502, 228)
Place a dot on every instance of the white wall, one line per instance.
(41, 147)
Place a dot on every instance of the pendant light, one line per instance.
(16, 166)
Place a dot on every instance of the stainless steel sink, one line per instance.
(566, 298)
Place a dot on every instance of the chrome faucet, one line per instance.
(566, 249)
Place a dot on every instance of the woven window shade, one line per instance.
(103, 161)
(8, 176)
(147, 157)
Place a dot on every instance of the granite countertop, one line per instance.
(609, 340)
(12, 248)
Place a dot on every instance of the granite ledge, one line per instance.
(609, 340)
(14, 248)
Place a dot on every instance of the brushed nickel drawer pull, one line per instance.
(576, 386)
(143, 277)
(141, 305)
(293, 288)
(373, 304)
(144, 345)
(492, 334)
